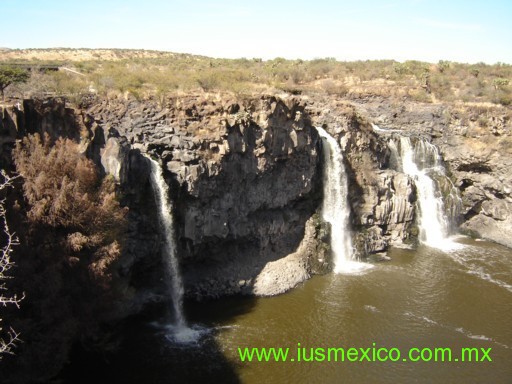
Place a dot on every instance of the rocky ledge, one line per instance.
(476, 144)
(245, 177)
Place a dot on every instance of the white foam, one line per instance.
(487, 277)
(447, 245)
(184, 335)
(376, 128)
(352, 267)
(475, 255)
(181, 334)
(460, 330)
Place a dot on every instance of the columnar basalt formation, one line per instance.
(246, 179)
(475, 142)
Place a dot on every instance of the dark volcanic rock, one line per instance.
(476, 144)
(244, 180)
(382, 200)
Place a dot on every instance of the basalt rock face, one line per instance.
(476, 144)
(244, 180)
(382, 199)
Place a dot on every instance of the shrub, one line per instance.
(63, 191)
(499, 83)
(11, 75)
(443, 65)
(332, 87)
(71, 228)
(8, 338)
(401, 68)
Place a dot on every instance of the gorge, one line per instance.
(249, 198)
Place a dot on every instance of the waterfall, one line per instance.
(335, 208)
(423, 163)
(180, 331)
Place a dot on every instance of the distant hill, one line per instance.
(81, 54)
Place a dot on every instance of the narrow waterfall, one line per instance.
(422, 162)
(335, 208)
(180, 331)
(161, 190)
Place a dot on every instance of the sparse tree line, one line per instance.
(153, 77)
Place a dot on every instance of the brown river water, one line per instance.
(423, 298)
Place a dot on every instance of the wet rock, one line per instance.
(476, 145)
(246, 177)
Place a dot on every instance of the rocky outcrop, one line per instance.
(382, 200)
(479, 151)
(311, 257)
(244, 179)
(475, 142)
(243, 176)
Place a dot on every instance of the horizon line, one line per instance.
(245, 57)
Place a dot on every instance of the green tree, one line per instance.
(11, 75)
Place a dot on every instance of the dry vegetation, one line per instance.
(63, 191)
(70, 228)
(143, 74)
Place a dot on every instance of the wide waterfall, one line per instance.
(180, 331)
(335, 207)
(422, 162)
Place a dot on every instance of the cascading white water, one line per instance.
(335, 208)
(180, 331)
(419, 162)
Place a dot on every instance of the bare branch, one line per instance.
(7, 344)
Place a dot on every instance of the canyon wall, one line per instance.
(245, 179)
(476, 145)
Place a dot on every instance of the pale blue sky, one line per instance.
(429, 30)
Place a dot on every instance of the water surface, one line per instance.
(421, 298)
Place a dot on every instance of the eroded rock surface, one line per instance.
(245, 178)
(476, 145)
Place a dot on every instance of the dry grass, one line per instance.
(150, 73)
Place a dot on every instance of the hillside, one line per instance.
(146, 74)
(74, 55)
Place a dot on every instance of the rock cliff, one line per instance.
(244, 183)
(382, 199)
(476, 145)
(245, 178)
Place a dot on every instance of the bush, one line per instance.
(8, 338)
(70, 227)
(11, 75)
(63, 191)
(332, 87)
(499, 83)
